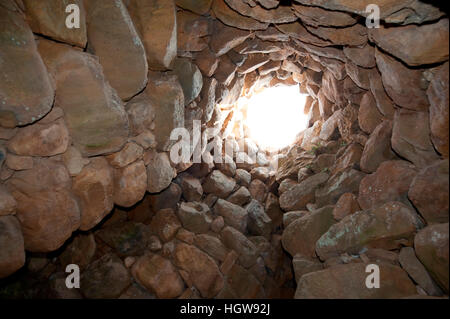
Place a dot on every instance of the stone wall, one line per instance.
(86, 178)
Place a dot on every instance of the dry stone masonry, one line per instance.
(87, 176)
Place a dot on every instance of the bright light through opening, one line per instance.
(275, 116)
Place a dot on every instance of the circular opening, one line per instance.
(275, 116)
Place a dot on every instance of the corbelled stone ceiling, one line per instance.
(88, 176)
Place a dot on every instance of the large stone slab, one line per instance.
(431, 245)
(167, 98)
(349, 282)
(280, 14)
(48, 17)
(202, 269)
(388, 227)
(46, 208)
(316, 16)
(439, 114)
(230, 17)
(190, 78)
(94, 186)
(40, 140)
(411, 137)
(414, 45)
(392, 11)
(429, 192)
(390, 182)
(12, 254)
(159, 275)
(114, 39)
(93, 111)
(301, 235)
(405, 86)
(157, 25)
(26, 93)
(197, 6)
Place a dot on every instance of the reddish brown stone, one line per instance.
(390, 182)
(405, 86)
(12, 254)
(411, 137)
(388, 226)
(378, 148)
(348, 282)
(159, 275)
(94, 186)
(439, 114)
(165, 224)
(346, 205)
(429, 192)
(431, 245)
(301, 235)
(130, 184)
(156, 23)
(369, 117)
(202, 270)
(118, 47)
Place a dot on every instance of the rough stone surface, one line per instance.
(156, 24)
(165, 224)
(404, 86)
(167, 98)
(46, 208)
(114, 39)
(390, 182)
(439, 114)
(378, 148)
(195, 217)
(346, 205)
(259, 223)
(12, 254)
(159, 275)
(298, 196)
(417, 271)
(303, 266)
(388, 226)
(94, 113)
(79, 251)
(231, 18)
(197, 6)
(348, 282)
(40, 140)
(301, 235)
(127, 155)
(411, 137)
(48, 18)
(345, 182)
(94, 186)
(23, 99)
(246, 250)
(127, 238)
(219, 184)
(429, 192)
(431, 245)
(233, 215)
(202, 270)
(105, 278)
(8, 204)
(431, 47)
(190, 78)
(240, 197)
(159, 173)
(130, 184)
